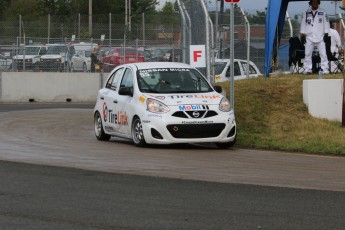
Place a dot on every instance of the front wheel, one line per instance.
(137, 133)
(99, 131)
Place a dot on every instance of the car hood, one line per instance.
(22, 56)
(211, 98)
(51, 56)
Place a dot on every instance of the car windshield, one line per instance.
(219, 67)
(56, 49)
(172, 80)
(30, 51)
(88, 53)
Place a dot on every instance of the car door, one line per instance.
(110, 105)
(125, 107)
(252, 70)
(78, 60)
(237, 70)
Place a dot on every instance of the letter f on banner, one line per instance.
(197, 56)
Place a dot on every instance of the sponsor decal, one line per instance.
(197, 122)
(146, 121)
(142, 99)
(119, 117)
(155, 115)
(105, 110)
(158, 97)
(218, 77)
(320, 13)
(108, 128)
(195, 96)
(143, 71)
(190, 96)
(193, 107)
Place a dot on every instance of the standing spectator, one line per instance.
(314, 27)
(335, 45)
(94, 59)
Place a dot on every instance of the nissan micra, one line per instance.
(163, 103)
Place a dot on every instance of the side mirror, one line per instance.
(126, 91)
(218, 88)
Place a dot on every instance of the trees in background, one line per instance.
(10, 9)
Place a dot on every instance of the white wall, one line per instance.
(49, 87)
(324, 98)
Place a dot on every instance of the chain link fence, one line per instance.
(165, 37)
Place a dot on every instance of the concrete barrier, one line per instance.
(49, 87)
(324, 98)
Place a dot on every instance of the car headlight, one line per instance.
(155, 106)
(224, 105)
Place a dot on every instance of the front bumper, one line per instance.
(51, 65)
(18, 64)
(163, 129)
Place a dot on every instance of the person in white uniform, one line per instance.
(314, 26)
(335, 45)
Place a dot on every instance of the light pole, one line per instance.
(90, 18)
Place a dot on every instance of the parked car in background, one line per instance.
(146, 53)
(121, 55)
(81, 60)
(31, 54)
(173, 55)
(222, 70)
(57, 58)
(158, 53)
(163, 103)
(5, 62)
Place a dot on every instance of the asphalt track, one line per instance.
(115, 185)
(65, 137)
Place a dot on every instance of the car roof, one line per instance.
(154, 65)
(226, 60)
(56, 44)
(35, 46)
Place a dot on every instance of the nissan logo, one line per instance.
(196, 114)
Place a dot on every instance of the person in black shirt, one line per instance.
(94, 59)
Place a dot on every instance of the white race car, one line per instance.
(163, 103)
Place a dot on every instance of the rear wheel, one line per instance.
(99, 131)
(137, 133)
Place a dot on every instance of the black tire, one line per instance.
(137, 133)
(99, 131)
(226, 145)
(84, 67)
